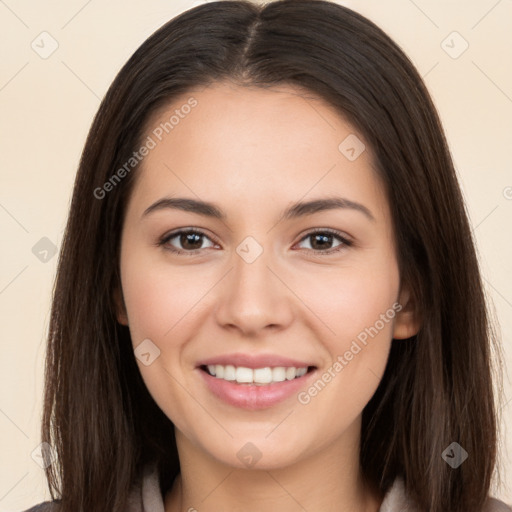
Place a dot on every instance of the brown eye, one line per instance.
(322, 240)
(190, 241)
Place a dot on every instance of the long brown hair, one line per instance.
(438, 386)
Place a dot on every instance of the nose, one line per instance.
(254, 297)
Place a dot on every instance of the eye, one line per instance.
(189, 239)
(322, 238)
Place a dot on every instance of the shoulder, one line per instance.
(45, 506)
(494, 505)
(396, 500)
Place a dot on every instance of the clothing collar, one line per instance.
(147, 497)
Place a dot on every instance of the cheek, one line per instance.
(353, 298)
(159, 302)
(362, 316)
(359, 307)
(157, 297)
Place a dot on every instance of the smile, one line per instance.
(258, 376)
(255, 388)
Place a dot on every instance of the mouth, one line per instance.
(263, 376)
(255, 383)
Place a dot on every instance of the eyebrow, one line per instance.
(297, 209)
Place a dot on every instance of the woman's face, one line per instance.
(252, 297)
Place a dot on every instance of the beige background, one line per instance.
(47, 105)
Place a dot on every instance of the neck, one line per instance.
(329, 480)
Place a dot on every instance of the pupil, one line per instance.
(323, 237)
(189, 237)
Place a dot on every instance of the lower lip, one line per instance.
(251, 396)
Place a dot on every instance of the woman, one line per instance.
(256, 372)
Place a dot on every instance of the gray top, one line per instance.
(148, 498)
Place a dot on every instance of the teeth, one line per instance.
(262, 375)
(258, 376)
(219, 371)
(301, 372)
(244, 374)
(229, 372)
(279, 374)
(290, 373)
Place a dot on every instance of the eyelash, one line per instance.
(166, 238)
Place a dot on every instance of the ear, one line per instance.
(407, 320)
(121, 315)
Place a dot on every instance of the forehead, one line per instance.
(255, 115)
(249, 143)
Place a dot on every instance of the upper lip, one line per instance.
(255, 361)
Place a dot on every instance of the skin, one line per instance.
(253, 152)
